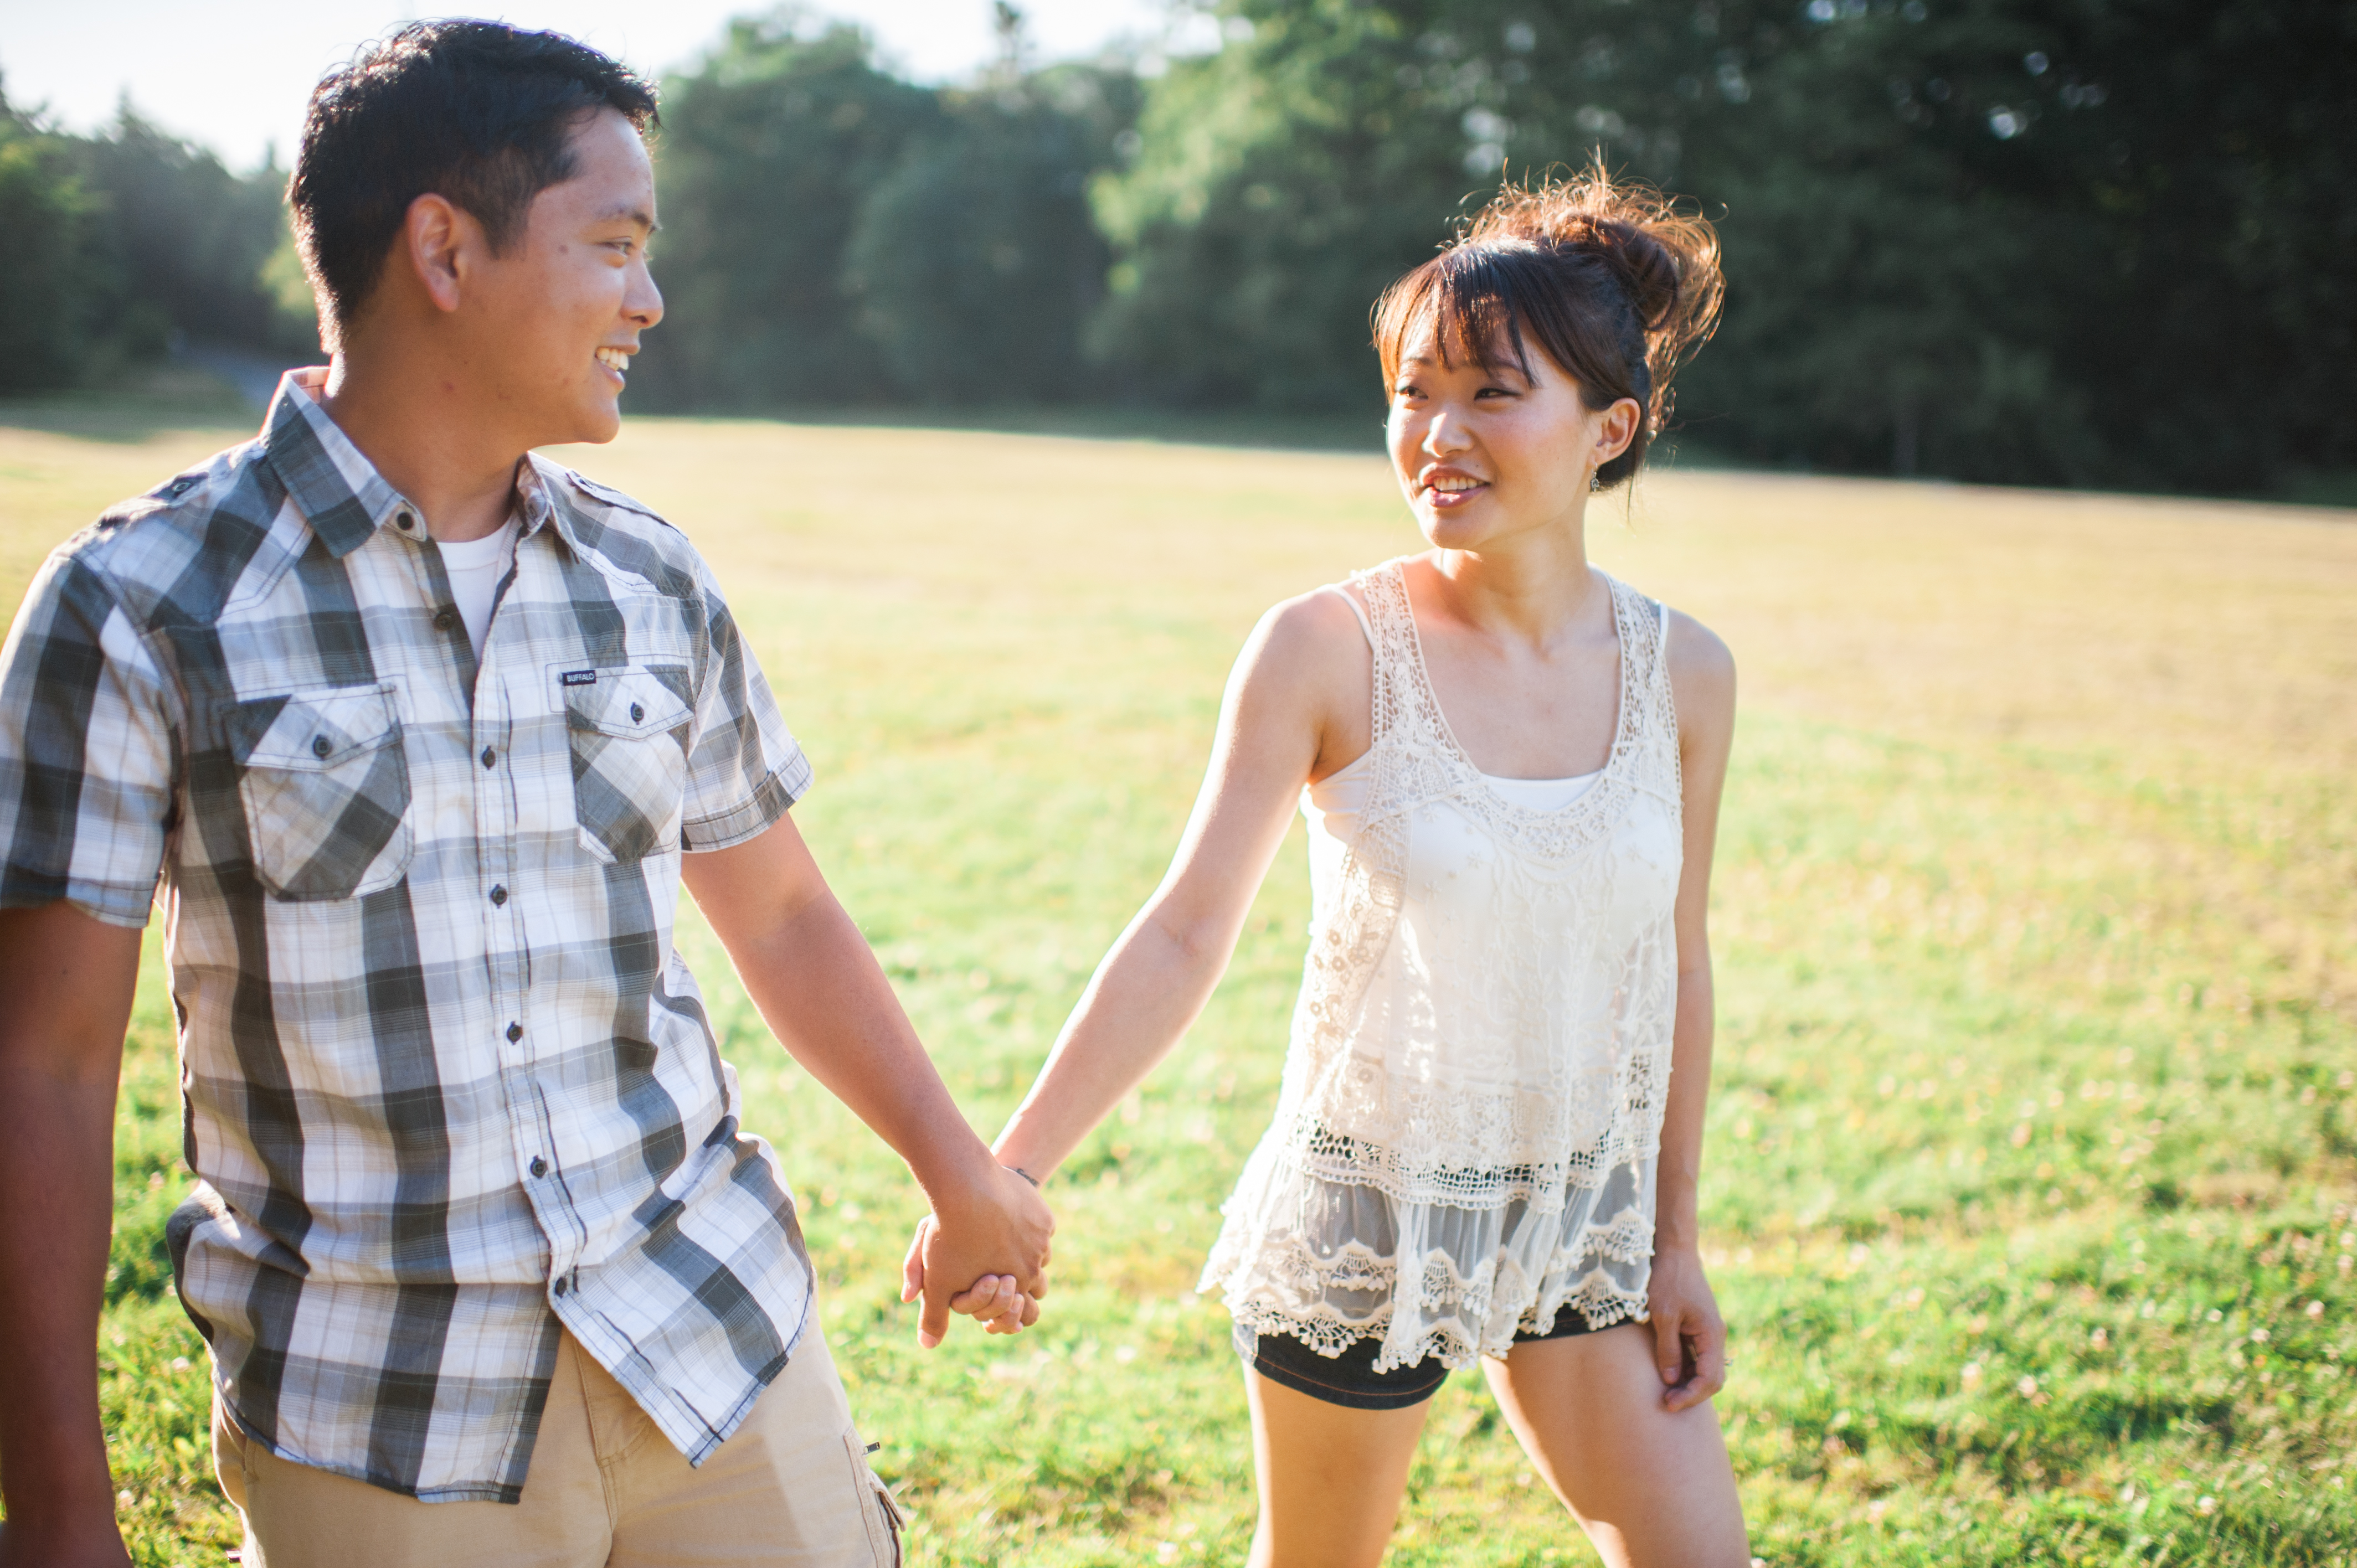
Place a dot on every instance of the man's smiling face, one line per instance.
(558, 315)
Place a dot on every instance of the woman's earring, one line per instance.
(1595, 482)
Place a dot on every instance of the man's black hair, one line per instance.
(477, 112)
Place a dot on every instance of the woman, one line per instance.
(1487, 1143)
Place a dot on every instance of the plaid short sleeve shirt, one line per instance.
(446, 1084)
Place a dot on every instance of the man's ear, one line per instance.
(443, 244)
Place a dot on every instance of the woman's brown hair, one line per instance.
(1618, 288)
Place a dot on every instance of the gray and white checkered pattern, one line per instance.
(447, 1085)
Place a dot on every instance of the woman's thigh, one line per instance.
(1331, 1477)
(1649, 1487)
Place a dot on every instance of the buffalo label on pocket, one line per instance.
(628, 731)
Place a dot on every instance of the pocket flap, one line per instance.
(626, 704)
(313, 731)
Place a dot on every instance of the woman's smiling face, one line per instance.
(1485, 454)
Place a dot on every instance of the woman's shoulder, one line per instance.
(1701, 668)
(1333, 619)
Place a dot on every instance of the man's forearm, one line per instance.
(57, 1172)
(68, 981)
(823, 993)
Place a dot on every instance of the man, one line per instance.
(415, 736)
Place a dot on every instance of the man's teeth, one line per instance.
(615, 360)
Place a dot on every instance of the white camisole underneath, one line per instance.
(1466, 1137)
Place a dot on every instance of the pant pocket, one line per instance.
(229, 1454)
(878, 1510)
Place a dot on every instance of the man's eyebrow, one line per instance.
(634, 213)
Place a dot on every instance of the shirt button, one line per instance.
(539, 1165)
(516, 1033)
(406, 522)
(319, 746)
(499, 896)
(490, 758)
(444, 618)
(637, 713)
(561, 1286)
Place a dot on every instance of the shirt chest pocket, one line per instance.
(628, 732)
(324, 784)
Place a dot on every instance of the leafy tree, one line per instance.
(769, 149)
(2092, 241)
(193, 240)
(1279, 185)
(976, 262)
(47, 255)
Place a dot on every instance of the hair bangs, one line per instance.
(1470, 303)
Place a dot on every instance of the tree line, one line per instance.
(2073, 242)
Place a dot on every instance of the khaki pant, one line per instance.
(791, 1488)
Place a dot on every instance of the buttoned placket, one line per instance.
(497, 780)
(490, 735)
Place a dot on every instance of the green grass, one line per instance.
(2031, 1191)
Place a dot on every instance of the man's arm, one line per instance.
(824, 994)
(67, 980)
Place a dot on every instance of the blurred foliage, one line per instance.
(112, 244)
(2090, 241)
(767, 153)
(2048, 241)
(833, 235)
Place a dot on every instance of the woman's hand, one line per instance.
(1689, 1336)
(996, 1301)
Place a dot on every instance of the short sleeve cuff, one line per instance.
(770, 800)
(109, 903)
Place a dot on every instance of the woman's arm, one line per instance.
(1296, 708)
(1286, 712)
(1689, 1333)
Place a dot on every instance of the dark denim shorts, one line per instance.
(1351, 1379)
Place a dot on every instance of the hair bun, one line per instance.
(1666, 260)
(1647, 269)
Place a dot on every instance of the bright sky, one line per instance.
(233, 74)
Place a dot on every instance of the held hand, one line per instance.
(994, 1301)
(1689, 1336)
(999, 1226)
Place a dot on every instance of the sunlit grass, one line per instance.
(2033, 1144)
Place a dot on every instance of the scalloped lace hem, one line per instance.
(1448, 1342)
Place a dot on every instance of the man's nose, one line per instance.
(643, 302)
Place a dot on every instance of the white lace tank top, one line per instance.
(1466, 1137)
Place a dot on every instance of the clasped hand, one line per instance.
(995, 1236)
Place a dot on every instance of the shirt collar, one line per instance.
(339, 490)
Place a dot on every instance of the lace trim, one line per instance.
(1314, 1149)
(1428, 763)
(1453, 1310)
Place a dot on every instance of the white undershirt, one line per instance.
(475, 568)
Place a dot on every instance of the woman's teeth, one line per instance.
(1451, 485)
(614, 360)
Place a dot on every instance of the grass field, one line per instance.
(2031, 1186)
